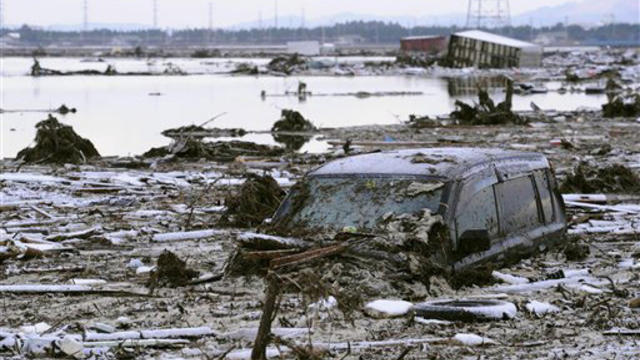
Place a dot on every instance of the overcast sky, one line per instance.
(195, 13)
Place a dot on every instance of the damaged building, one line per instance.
(475, 48)
(423, 44)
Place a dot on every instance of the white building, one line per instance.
(307, 48)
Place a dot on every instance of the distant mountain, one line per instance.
(589, 12)
(585, 12)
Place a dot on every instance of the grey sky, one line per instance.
(194, 13)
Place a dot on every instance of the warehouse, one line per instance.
(423, 44)
(485, 50)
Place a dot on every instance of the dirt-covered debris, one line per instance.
(622, 106)
(425, 61)
(587, 178)
(399, 262)
(221, 151)
(486, 112)
(257, 199)
(245, 68)
(288, 64)
(57, 143)
(419, 122)
(171, 271)
(200, 131)
(478, 276)
(576, 251)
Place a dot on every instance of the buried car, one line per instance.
(492, 204)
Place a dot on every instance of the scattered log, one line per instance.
(138, 343)
(196, 332)
(186, 235)
(622, 332)
(82, 234)
(41, 289)
(269, 310)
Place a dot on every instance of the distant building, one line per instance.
(423, 44)
(307, 48)
(350, 40)
(486, 50)
(553, 38)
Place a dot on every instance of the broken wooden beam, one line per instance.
(307, 256)
(40, 289)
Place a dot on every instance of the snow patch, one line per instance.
(541, 308)
(387, 308)
(471, 339)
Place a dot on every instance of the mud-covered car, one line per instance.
(491, 204)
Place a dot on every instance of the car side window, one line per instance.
(518, 204)
(542, 183)
(479, 213)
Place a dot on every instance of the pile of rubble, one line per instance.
(59, 144)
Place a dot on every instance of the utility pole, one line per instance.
(155, 14)
(276, 13)
(85, 18)
(210, 30)
(1, 14)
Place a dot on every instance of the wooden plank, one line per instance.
(307, 256)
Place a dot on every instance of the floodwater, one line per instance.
(124, 115)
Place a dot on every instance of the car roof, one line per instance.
(442, 163)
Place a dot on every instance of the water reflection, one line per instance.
(291, 142)
(465, 86)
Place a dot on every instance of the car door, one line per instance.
(521, 218)
(476, 223)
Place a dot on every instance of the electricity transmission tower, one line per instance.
(488, 13)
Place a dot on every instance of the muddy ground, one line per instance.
(106, 220)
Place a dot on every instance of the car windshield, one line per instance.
(360, 202)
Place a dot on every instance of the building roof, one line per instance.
(445, 163)
(423, 37)
(493, 38)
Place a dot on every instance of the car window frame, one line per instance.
(546, 174)
(504, 234)
(497, 215)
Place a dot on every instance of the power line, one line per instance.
(210, 16)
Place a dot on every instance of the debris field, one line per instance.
(172, 255)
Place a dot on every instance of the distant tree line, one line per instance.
(369, 32)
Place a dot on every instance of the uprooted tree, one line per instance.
(622, 106)
(222, 151)
(59, 144)
(486, 112)
(292, 121)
